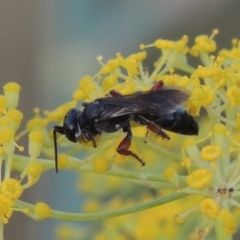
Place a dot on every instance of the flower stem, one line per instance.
(1, 230)
(108, 214)
(21, 161)
(220, 231)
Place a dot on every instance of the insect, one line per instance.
(157, 109)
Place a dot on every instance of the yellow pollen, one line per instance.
(3, 103)
(12, 87)
(14, 115)
(34, 169)
(229, 221)
(205, 43)
(37, 122)
(131, 66)
(6, 205)
(113, 63)
(89, 88)
(101, 164)
(42, 210)
(164, 44)
(5, 121)
(199, 179)
(79, 95)
(36, 139)
(11, 188)
(211, 153)
(204, 96)
(209, 207)
(220, 128)
(62, 161)
(140, 56)
(6, 135)
(187, 162)
(11, 92)
(188, 142)
(233, 94)
(109, 82)
(36, 136)
(59, 113)
(84, 81)
(105, 70)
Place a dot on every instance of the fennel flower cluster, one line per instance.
(185, 178)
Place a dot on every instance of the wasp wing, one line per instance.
(159, 102)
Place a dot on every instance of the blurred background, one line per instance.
(47, 46)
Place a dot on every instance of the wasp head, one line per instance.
(71, 125)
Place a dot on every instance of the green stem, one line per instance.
(101, 215)
(21, 162)
(176, 158)
(1, 230)
(220, 231)
(8, 166)
(161, 62)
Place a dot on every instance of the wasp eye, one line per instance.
(71, 125)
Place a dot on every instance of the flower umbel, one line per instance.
(205, 168)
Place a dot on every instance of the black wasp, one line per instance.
(159, 108)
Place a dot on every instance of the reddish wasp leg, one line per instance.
(123, 148)
(114, 93)
(152, 127)
(158, 85)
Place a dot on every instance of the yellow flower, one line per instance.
(34, 169)
(3, 103)
(210, 208)
(233, 94)
(36, 139)
(6, 205)
(11, 188)
(228, 220)
(199, 178)
(211, 153)
(42, 211)
(11, 92)
(203, 170)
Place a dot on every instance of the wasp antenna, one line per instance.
(55, 148)
(56, 129)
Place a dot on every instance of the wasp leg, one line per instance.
(84, 104)
(158, 85)
(125, 144)
(114, 93)
(152, 127)
(94, 143)
(85, 140)
(140, 120)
